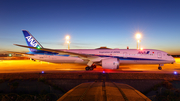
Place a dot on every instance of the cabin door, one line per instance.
(159, 55)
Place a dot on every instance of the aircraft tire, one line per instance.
(91, 68)
(160, 68)
(94, 66)
(87, 68)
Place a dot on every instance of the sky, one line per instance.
(91, 24)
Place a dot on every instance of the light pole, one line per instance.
(138, 37)
(67, 41)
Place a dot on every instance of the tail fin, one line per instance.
(31, 41)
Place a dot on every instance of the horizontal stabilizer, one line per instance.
(19, 53)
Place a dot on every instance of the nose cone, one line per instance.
(173, 60)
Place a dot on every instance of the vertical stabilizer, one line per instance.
(31, 41)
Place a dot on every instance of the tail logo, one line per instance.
(31, 41)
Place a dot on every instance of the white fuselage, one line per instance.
(125, 56)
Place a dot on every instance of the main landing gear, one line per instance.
(32, 59)
(90, 68)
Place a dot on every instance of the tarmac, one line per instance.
(29, 66)
(103, 91)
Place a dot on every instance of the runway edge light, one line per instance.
(42, 72)
(175, 72)
(10, 55)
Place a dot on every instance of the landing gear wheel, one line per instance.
(87, 68)
(91, 68)
(94, 66)
(160, 68)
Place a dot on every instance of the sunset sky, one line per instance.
(91, 23)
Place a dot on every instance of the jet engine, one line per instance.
(110, 63)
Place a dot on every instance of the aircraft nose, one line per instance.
(173, 60)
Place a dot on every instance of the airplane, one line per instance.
(107, 58)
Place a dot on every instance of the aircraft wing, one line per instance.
(59, 51)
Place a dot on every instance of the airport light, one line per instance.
(67, 41)
(67, 37)
(10, 55)
(138, 37)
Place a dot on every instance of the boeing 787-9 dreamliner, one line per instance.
(107, 58)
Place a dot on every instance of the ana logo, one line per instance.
(143, 52)
(31, 41)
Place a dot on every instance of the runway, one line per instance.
(23, 66)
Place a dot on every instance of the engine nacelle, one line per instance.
(111, 63)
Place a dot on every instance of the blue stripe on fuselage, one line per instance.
(120, 58)
(128, 58)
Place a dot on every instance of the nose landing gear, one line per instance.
(160, 68)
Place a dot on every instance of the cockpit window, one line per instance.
(168, 55)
